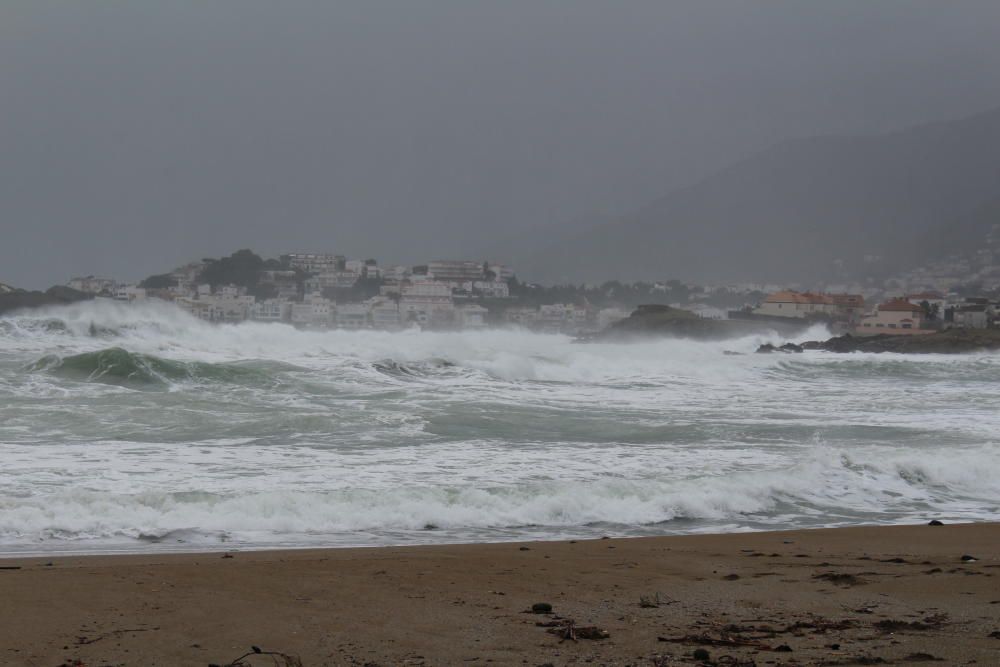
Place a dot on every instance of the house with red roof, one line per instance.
(894, 316)
(789, 303)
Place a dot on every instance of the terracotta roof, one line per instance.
(925, 295)
(900, 305)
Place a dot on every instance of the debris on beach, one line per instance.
(273, 658)
(568, 629)
(840, 579)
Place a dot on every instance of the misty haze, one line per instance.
(549, 333)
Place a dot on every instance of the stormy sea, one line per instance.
(140, 428)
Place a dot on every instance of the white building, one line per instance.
(500, 271)
(271, 310)
(493, 289)
(561, 317)
(397, 272)
(355, 266)
(972, 315)
(352, 316)
(92, 285)
(789, 303)
(218, 308)
(457, 271)
(471, 316)
(285, 283)
(427, 303)
(429, 290)
(230, 291)
(129, 293)
(313, 313)
(311, 262)
(384, 313)
(524, 317)
(335, 280)
(897, 314)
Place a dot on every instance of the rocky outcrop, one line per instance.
(767, 348)
(660, 320)
(949, 341)
(16, 299)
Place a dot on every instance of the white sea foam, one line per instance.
(263, 434)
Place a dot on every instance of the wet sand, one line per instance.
(848, 596)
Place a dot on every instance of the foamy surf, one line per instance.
(137, 428)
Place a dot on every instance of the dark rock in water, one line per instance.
(661, 320)
(949, 341)
(768, 348)
(935, 522)
(701, 654)
(783, 648)
(541, 608)
(969, 559)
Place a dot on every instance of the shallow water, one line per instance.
(163, 432)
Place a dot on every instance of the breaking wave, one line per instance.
(831, 488)
(118, 366)
(135, 427)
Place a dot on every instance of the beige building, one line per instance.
(788, 303)
(898, 314)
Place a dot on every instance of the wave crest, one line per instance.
(118, 366)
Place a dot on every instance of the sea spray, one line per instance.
(162, 429)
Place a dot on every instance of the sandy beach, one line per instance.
(848, 596)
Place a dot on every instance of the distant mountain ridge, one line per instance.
(803, 209)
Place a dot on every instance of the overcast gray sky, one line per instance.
(135, 136)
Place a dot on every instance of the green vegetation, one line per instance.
(54, 296)
(159, 281)
(242, 269)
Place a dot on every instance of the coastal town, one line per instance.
(322, 290)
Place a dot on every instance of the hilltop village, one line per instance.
(313, 290)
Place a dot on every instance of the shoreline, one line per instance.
(831, 595)
(184, 549)
(221, 548)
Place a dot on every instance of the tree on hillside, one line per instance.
(159, 281)
(930, 309)
(242, 268)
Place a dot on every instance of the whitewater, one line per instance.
(140, 428)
